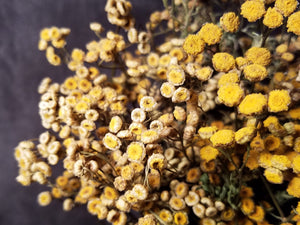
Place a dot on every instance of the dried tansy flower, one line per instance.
(252, 10)
(261, 56)
(223, 62)
(286, 7)
(193, 44)
(210, 33)
(255, 72)
(222, 138)
(293, 23)
(230, 94)
(253, 104)
(230, 22)
(278, 100)
(128, 139)
(272, 18)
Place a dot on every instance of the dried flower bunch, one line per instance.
(200, 129)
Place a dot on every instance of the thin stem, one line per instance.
(162, 32)
(188, 14)
(110, 67)
(235, 118)
(272, 196)
(247, 157)
(228, 157)
(265, 36)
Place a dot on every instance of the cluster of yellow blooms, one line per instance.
(202, 129)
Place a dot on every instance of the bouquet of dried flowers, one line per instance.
(193, 120)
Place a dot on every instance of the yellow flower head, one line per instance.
(181, 189)
(256, 55)
(253, 104)
(278, 101)
(272, 142)
(207, 132)
(179, 113)
(77, 55)
(287, 56)
(244, 135)
(148, 103)
(70, 83)
(181, 218)
(136, 151)
(204, 73)
(157, 162)
(293, 23)
(286, 7)
(271, 121)
(54, 33)
(210, 33)
(45, 34)
(293, 187)
(110, 193)
(230, 22)
(258, 215)
(140, 191)
(228, 214)
(247, 206)
(176, 76)
(193, 44)
(82, 72)
(193, 175)
(181, 94)
(137, 128)
(178, 53)
(54, 59)
(223, 62)
(115, 124)
(86, 192)
(272, 18)
(222, 138)
(92, 205)
(164, 60)
(84, 85)
(153, 59)
(82, 107)
(149, 136)
(246, 192)
(227, 78)
(88, 125)
(208, 153)
(111, 141)
(44, 198)
(166, 216)
(177, 203)
(280, 162)
(167, 89)
(255, 72)
(253, 10)
(230, 94)
(265, 159)
(127, 172)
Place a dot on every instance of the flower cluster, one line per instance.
(203, 128)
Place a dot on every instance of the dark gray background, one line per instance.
(22, 67)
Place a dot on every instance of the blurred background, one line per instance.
(22, 67)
